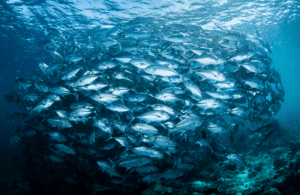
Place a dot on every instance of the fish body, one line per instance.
(105, 98)
(60, 122)
(213, 75)
(156, 116)
(65, 148)
(216, 128)
(86, 80)
(70, 75)
(144, 151)
(145, 129)
(137, 161)
(209, 104)
(193, 88)
(57, 136)
(236, 160)
(160, 70)
(167, 97)
(59, 90)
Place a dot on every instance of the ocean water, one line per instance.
(27, 26)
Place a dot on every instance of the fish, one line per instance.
(57, 136)
(105, 98)
(59, 90)
(205, 61)
(60, 122)
(103, 125)
(44, 104)
(193, 88)
(236, 160)
(109, 168)
(165, 108)
(95, 86)
(254, 83)
(144, 151)
(167, 97)
(70, 75)
(223, 95)
(92, 138)
(86, 80)
(43, 67)
(172, 174)
(160, 70)
(78, 105)
(213, 75)
(54, 97)
(227, 84)
(65, 148)
(189, 123)
(106, 65)
(80, 113)
(216, 128)
(145, 129)
(146, 169)
(269, 48)
(31, 97)
(160, 142)
(56, 55)
(117, 107)
(156, 116)
(56, 158)
(240, 111)
(150, 178)
(203, 143)
(209, 104)
(140, 63)
(134, 162)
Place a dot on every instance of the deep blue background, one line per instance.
(286, 60)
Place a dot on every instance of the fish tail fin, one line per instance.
(175, 163)
(134, 88)
(112, 163)
(190, 108)
(164, 126)
(109, 139)
(169, 133)
(75, 95)
(131, 171)
(97, 111)
(131, 118)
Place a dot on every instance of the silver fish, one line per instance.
(160, 71)
(60, 122)
(156, 116)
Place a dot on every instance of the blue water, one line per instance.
(285, 43)
(25, 25)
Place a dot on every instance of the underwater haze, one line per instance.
(150, 97)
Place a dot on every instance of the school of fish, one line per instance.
(143, 101)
